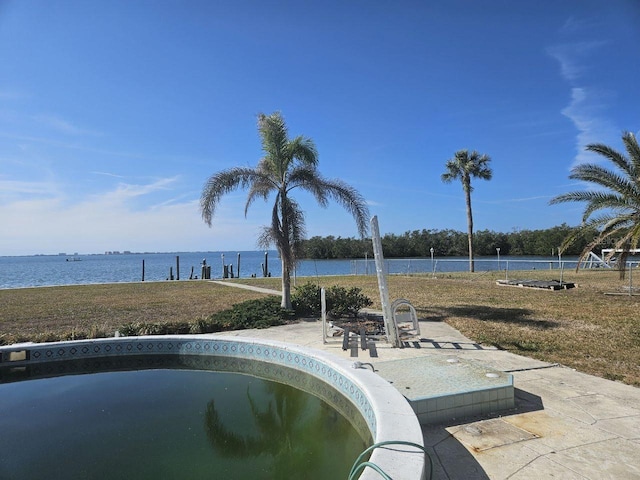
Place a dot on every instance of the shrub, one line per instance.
(306, 300)
(342, 302)
(261, 313)
(144, 328)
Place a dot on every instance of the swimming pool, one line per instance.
(383, 412)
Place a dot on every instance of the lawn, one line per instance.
(88, 311)
(584, 327)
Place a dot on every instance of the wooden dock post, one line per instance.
(143, 269)
(265, 267)
(238, 272)
(177, 267)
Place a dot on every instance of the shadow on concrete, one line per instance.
(451, 459)
(442, 345)
(526, 402)
(518, 316)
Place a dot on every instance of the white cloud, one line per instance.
(125, 191)
(585, 111)
(575, 25)
(12, 189)
(572, 58)
(61, 125)
(110, 222)
(587, 108)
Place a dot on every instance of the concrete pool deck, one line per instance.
(565, 424)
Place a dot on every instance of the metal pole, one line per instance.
(266, 264)
(559, 257)
(433, 267)
(389, 323)
(323, 308)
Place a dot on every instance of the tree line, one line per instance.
(451, 243)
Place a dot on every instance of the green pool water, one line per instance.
(169, 421)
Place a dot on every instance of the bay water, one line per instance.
(49, 270)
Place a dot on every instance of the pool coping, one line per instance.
(388, 414)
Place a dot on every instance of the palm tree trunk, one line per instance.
(286, 285)
(470, 229)
(285, 253)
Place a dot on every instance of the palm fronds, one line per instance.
(614, 196)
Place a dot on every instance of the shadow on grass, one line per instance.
(430, 314)
(516, 316)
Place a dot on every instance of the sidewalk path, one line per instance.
(566, 424)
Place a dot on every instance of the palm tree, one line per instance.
(616, 199)
(287, 164)
(464, 166)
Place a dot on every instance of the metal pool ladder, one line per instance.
(399, 316)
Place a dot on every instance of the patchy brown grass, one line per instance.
(581, 327)
(89, 311)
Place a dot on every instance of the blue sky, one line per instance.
(113, 114)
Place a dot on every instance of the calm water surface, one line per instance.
(170, 424)
(35, 271)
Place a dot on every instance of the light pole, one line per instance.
(559, 257)
(498, 250)
(433, 267)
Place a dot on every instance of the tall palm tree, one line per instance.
(616, 198)
(463, 166)
(287, 164)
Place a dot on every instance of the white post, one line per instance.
(323, 306)
(433, 267)
(498, 250)
(559, 257)
(389, 323)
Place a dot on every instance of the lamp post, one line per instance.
(498, 250)
(559, 257)
(433, 268)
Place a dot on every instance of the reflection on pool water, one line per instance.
(165, 417)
